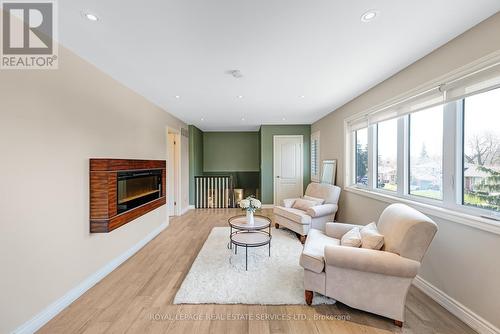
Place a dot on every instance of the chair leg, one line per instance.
(309, 297)
(303, 239)
(398, 323)
(276, 225)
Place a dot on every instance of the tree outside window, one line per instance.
(362, 157)
(481, 172)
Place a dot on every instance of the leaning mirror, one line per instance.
(328, 171)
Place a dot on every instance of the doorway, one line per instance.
(173, 174)
(288, 167)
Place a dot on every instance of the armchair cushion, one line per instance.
(351, 238)
(370, 237)
(312, 257)
(337, 230)
(303, 204)
(288, 203)
(295, 215)
(369, 260)
(322, 210)
(318, 201)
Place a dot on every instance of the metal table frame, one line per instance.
(249, 229)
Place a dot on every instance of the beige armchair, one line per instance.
(376, 281)
(316, 217)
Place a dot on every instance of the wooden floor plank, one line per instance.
(137, 298)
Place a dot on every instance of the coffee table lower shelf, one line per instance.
(250, 239)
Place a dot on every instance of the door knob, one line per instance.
(278, 177)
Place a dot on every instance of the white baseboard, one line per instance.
(268, 206)
(186, 209)
(53, 309)
(482, 326)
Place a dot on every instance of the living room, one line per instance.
(248, 167)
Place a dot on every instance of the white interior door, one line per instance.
(288, 167)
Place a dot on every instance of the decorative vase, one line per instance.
(250, 219)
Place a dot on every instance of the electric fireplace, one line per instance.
(136, 188)
(122, 190)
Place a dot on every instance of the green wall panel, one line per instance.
(230, 151)
(195, 158)
(266, 173)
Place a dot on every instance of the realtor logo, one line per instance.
(27, 35)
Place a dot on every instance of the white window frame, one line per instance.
(407, 194)
(400, 163)
(451, 206)
(369, 163)
(315, 177)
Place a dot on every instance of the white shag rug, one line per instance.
(218, 276)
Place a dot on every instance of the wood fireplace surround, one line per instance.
(109, 195)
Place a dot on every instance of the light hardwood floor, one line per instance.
(137, 298)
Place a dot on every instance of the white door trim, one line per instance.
(301, 163)
(177, 194)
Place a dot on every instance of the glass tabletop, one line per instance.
(250, 238)
(240, 222)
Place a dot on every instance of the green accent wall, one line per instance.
(242, 154)
(195, 158)
(266, 140)
(231, 152)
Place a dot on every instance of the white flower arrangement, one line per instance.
(250, 204)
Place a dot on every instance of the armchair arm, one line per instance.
(288, 202)
(322, 210)
(337, 230)
(369, 260)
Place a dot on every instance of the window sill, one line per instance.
(480, 223)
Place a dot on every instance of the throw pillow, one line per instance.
(370, 237)
(317, 200)
(351, 238)
(303, 204)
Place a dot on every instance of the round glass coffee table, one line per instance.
(245, 235)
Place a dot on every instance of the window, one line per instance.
(315, 166)
(361, 156)
(439, 146)
(426, 153)
(481, 151)
(387, 155)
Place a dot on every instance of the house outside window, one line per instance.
(361, 154)
(481, 150)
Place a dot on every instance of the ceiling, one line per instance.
(300, 60)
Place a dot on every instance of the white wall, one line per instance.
(462, 261)
(51, 123)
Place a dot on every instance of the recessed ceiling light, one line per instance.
(243, 118)
(369, 15)
(240, 96)
(177, 96)
(91, 17)
(235, 73)
(283, 119)
(202, 119)
(302, 96)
